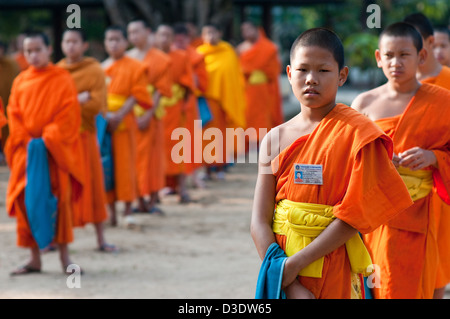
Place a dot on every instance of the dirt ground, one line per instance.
(197, 250)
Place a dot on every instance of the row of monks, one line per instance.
(150, 84)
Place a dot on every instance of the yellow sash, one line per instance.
(419, 183)
(115, 102)
(257, 77)
(302, 222)
(178, 93)
(139, 110)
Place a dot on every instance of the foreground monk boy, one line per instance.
(415, 115)
(347, 182)
(91, 87)
(126, 86)
(43, 104)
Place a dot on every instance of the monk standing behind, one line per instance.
(225, 95)
(91, 87)
(441, 47)
(150, 134)
(182, 42)
(416, 117)
(43, 104)
(432, 72)
(175, 110)
(126, 86)
(347, 180)
(261, 66)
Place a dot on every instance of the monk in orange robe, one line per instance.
(150, 139)
(43, 104)
(441, 46)
(193, 124)
(323, 192)
(91, 87)
(225, 95)
(127, 86)
(261, 66)
(415, 117)
(175, 111)
(432, 72)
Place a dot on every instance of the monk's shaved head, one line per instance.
(323, 38)
(421, 23)
(403, 29)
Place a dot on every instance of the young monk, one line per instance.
(431, 71)
(416, 117)
(347, 180)
(441, 46)
(150, 139)
(44, 105)
(261, 66)
(182, 41)
(91, 87)
(225, 93)
(127, 86)
(175, 109)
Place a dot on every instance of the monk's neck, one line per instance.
(409, 88)
(315, 115)
(74, 60)
(430, 68)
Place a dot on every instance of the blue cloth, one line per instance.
(40, 203)
(105, 143)
(270, 275)
(204, 111)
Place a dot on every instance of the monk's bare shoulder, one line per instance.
(365, 102)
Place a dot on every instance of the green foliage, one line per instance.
(359, 50)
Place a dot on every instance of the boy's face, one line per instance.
(164, 38)
(398, 58)
(441, 48)
(210, 35)
(137, 33)
(315, 76)
(115, 43)
(181, 41)
(72, 45)
(36, 52)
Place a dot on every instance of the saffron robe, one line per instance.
(150, 141)
(405, 248)
(89, 76)
(176, 111)
(225, 95)
(359, 181)
(261, 67)
(441, 207)
(126, 77)
(3, 120)
(43, 103)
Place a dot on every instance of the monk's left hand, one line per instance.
(417, 158)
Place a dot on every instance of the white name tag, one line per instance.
(308, 174)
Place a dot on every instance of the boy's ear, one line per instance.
(288, 72)
(423, 56)
(343, 74)
(378, 57)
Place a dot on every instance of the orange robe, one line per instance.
(442, 208)
(175, 114)
(359, 181)
(261, 67)
(192, 113)
(405, 248)
(126, 77)
(150, 141)
(226, 98)
(43, 103)
(89, 76)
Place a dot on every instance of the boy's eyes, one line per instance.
(305, 70)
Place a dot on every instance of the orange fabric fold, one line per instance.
(44, 103)
(359, 181)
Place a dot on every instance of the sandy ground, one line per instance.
(198, 250)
